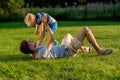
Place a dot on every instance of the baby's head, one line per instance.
(30, 20)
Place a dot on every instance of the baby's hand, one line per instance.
(36, 32)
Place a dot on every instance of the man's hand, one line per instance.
(44, 19)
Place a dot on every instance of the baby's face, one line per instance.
(32, 24)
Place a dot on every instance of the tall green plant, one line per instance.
(8, 7)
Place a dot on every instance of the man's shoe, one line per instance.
(104, 52)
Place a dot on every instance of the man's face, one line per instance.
(32, 45)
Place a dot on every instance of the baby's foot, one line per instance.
(55, 43)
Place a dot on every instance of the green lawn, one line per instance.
(85, 66)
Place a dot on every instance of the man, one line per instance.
(69, 46)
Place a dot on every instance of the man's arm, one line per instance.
(50, 33)
(42, 35)
(51, 36)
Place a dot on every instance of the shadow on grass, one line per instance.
(14, 25)
(93, 55)
(85, 55)
(87, 23)
(14, 58)
(20, 57)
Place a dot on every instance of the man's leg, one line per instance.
(67, 39)
(66, 42)
(86, 32)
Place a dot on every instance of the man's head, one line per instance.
(27, 46)
(30, 20)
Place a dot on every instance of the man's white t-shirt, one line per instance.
(54, 52)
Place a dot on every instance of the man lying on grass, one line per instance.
(69, 46)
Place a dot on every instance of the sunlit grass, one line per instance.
(85, 66)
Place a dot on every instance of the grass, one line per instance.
(85, 66)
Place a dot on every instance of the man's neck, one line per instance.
(33, 55)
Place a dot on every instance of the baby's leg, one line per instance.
(53, 27)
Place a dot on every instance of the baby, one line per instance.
(37, 20)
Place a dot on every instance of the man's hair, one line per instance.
(24, 47)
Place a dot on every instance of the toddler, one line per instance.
(37, 20)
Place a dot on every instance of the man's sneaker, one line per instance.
(104, 52)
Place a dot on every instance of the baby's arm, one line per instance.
(36, 30)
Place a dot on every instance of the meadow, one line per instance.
(15, 65)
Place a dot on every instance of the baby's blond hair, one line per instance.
(30, 19)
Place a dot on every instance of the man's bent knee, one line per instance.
(67, 34)
(86, 29)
